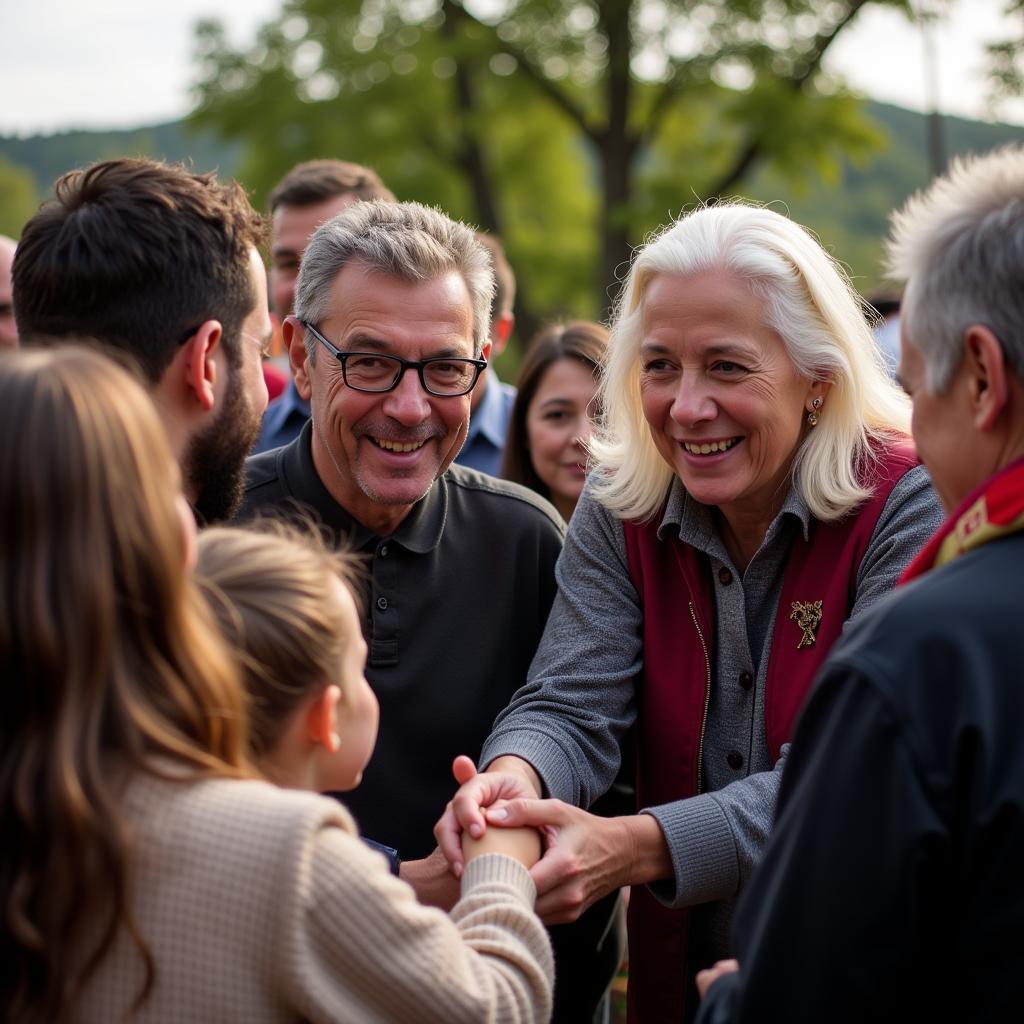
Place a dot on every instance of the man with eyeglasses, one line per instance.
(387, 340)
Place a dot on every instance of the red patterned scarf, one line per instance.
(993, 510)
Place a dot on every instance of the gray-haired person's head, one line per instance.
(959, 246)
(406, 240)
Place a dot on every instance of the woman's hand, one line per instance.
(587, 856)
(506, 779)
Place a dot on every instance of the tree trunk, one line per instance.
(616, 154)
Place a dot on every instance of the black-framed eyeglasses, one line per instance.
(441, 376)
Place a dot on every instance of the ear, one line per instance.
(200, 363)
(293, 334)
(501, 331)
(818, 389)
(485, 352)
(985, 367)
(321, 720)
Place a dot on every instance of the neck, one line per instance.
(742, 534)
(565, 506)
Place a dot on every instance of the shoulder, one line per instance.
(960, 615)
(510, 502)
(219, 813)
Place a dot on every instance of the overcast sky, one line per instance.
(125, 63)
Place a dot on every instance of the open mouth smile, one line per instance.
(710, 447)
(397, 446)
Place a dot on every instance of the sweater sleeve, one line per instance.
(569, 718)
(365, 949)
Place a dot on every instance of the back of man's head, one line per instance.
(959, 246)
(138, 254)
(316, 181)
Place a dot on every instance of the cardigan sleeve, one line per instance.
(363, 948)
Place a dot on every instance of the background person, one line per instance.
(554, 412)
(152, 874)
(752, 492)
(8, 327)
(309, 194)
(891, 888)
(491, 400)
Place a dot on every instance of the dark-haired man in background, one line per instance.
(160, 265)
(309, 194)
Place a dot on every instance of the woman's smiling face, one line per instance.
(726, 406)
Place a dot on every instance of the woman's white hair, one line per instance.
(810, 303)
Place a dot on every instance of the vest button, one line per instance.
(735, 759)
(382, 603)
(746, 680)
(383, 551)
(724, 576)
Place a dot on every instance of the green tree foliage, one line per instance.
(569, 127)
(19, 198)
(1006, 57)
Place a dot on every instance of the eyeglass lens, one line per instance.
(379, 373)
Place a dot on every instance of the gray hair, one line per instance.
(959, 247)
(407, 240)
(809, 303)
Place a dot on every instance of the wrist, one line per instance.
(649, 859)
(509, 764)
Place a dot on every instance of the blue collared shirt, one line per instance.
(488, 428)
(283, 420)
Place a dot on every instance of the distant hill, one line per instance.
(848, 215)
(47, 157)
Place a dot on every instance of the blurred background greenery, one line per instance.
(571, 129)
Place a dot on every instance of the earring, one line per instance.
(335, 740)
(812, 416)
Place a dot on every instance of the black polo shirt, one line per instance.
(456, 603)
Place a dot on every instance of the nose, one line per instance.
(408, 403)
(584, 432)
(693, 402)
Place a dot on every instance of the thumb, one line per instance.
(523, 811)
(463, 769)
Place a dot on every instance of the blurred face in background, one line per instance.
(8, 330)
(558, 427)
(290, 231)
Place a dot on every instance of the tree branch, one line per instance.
(557, 95)
(752, 151)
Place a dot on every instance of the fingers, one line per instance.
(706, 978)
(448, 833)
(526, 811)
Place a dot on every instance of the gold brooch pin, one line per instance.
(807, 615)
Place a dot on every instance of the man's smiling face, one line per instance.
(378, 454)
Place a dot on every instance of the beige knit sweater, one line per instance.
(260, 904)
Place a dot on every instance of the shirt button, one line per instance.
(735, 759)
(724, 576)
(382, 603)
(746, 680)
(384, 551)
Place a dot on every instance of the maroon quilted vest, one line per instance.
(674, 583)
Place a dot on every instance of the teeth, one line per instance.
(708, 449)
(398, 446)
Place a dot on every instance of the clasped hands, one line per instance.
(584, 856)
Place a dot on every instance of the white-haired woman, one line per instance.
(754, 490)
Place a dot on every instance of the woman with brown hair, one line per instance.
(148, 872)
(554, 411)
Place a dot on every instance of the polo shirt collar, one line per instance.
(695, 522)
(419, 532)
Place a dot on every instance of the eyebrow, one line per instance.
(367, 342)
(555, 401)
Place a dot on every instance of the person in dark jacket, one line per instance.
(891, 888)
